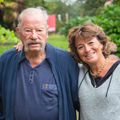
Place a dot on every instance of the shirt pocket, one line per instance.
(49, 93)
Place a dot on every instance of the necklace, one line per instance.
(100, 69)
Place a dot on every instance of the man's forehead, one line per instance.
(35, 19)
(34, 16)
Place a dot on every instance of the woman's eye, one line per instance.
(90, 43)
(79, 47)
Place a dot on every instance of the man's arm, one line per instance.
(1, 104)
(74, 72)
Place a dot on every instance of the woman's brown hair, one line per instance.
(87, 32)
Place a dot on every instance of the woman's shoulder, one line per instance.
(82, 68)
(113, 58)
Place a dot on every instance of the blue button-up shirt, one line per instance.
(36, 93)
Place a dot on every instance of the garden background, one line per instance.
(69, 13)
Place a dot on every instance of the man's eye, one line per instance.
(39, 30)
(27, 30)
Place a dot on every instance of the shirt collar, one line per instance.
(48, 49)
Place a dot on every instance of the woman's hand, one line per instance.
(19, 46)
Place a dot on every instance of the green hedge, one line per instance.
(109, 19)
(7, 36)
(7, 39)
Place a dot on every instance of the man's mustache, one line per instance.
(33, 42)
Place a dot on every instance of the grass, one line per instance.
(54, 39)
(58, 41)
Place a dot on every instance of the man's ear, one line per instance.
(47, 31)
(17, 30)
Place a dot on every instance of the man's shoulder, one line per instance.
(61, 55)
(59, 51)
(8, 54)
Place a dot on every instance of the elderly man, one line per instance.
(39, 82)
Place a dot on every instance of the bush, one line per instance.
(108, 19)
(7, 39)
(7, 36)
(74, 22)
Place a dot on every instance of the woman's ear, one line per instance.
(102, 46)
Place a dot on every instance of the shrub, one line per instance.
(108, 19)
(74, 22)
(7, 36)
(7, 39)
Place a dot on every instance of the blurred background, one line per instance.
(63, 14)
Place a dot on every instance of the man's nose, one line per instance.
(34, 35)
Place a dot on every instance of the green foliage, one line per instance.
(7, 39)
(31, 3)
(92, 7)
(3, 48)
(1, 1)
(109, 20)
(7, 36)
(74, 22)
(117, 2)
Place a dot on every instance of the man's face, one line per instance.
(33, 33)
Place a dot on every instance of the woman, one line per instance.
(99, 80)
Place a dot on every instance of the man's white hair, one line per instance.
(39, 10)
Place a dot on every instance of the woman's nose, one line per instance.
(87, 48)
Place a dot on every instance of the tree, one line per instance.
(108, 3)
(109, 19)
(8, 13)
(117, 2)
(92, 7)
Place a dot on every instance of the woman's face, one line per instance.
(89, 51)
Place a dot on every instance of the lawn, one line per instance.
(54, 39)
(58, 41)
